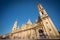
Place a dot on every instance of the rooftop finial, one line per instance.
(29, 22)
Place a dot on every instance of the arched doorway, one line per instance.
(41, 33)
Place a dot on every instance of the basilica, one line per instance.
(43, 28)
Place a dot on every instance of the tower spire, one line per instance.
(14, 26)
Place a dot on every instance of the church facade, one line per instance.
(42, 28)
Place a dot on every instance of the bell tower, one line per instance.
(47, 22)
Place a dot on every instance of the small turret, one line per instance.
(29, 22)
(14, 26)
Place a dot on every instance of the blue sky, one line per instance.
(22, 10)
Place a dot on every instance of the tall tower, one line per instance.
(48, 24)
(14, 26)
